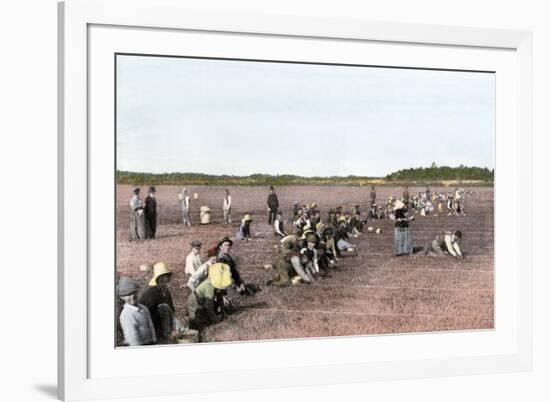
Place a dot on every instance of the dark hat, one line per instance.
(152, 189)
(196, 243)
(136, 190)
(223, 240)
(126, 286)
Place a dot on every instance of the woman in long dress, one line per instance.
(403, 238)
(137, 219)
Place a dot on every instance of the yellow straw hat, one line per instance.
(247, 218)
(160, 268)
(220, 275)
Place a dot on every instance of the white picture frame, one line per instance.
(77, 379)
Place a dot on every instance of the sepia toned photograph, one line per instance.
(268, 200)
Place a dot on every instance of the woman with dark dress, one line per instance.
(402, 238)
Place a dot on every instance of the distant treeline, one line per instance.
(435, 173)
(229, 180)
(431, 175)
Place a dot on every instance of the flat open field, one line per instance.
(373, 293)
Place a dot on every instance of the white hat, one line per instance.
(398, 205)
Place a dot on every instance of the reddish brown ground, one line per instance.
(374, 293)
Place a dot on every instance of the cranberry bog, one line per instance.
(372, 293)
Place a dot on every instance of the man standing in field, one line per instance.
(272, 205)
(406, 195)
(372, 196)
(185, 206)
(150, 210)
(227, 208)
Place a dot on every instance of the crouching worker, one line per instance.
(342, 239)
(207, 304)
(446, 243)
(158, 300)
(290, 264)
(244, 230)
(135, 319)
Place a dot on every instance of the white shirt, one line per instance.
(137, 325)
(135, 202)
(227, 203)
(192, 263)
(185, 202)
(199, 275)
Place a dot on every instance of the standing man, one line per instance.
(272, 205)
(406, 195)
(227, 208)
(185, 205)
(150, 210)
(372, 196)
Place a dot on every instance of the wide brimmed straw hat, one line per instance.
(288, 242)
(159, 269)
(398, 205)
(306, 232)
(247, 218)
(342, 219)
(220, 275)
(311, 238)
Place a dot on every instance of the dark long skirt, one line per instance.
(150, 225)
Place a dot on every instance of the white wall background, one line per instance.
(28, 183)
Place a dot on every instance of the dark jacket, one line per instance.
(151, 298)
(272, 201)
(150, 211)
(401, 218)
(227, 259)
(341, 233)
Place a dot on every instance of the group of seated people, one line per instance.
(308, 252)
(151, 319)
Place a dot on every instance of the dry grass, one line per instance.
(374, 293)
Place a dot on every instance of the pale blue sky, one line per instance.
(236, 117)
